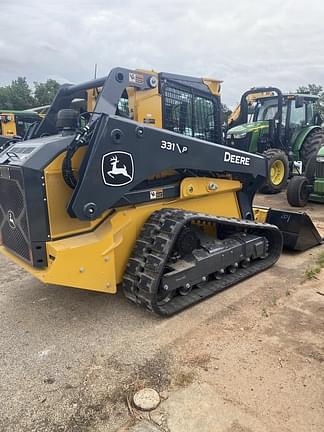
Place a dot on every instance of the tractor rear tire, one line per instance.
(297, 191)
(278, 171)
(310, 147)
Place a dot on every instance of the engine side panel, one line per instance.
(110, 244)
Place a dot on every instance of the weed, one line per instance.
(200, 360)
(320, 259)
(312, 272)
(274, 300)
(183, 379)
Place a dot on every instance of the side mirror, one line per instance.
(299, 102)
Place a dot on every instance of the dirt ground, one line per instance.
(247, 360)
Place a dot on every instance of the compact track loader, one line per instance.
(135, 192)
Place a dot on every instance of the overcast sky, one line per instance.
(245, 43)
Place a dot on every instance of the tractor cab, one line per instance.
(298, 113)
(280, 126)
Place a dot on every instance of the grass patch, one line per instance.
(320, 259)
(274, 300)
(183, 379)
(312, 272)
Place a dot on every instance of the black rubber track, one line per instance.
(155, 244)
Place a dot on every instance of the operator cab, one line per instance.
(186, 105)
(299, 109)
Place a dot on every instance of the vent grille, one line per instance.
(22, 150)
(13, 218)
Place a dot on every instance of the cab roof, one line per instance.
(291, 96)
(304, 95)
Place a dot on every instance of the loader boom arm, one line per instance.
(123, 154)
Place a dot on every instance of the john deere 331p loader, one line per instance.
(95, 200)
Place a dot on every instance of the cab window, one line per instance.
(204, 118)
(189, 114)
(123, 106)
(267, 110)
(297, 115)
(178, 111)
(309, 113)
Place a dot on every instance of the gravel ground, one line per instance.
(70, 358)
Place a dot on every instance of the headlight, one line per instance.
(236, 135)
(320, 159)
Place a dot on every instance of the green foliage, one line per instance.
(320, 259)
(20, 96)
(312, 272)
(45, 92)
(315, 89)
(5, 98)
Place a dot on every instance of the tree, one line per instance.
(5, 98)
(17, 95)
(45, 92)
(20, 94)
(314, 89)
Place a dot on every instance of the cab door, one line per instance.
(297, 120)
(190, 111)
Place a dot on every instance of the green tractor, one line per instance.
(285, 128)
(310, 187)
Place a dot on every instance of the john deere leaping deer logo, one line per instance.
(117, 168)
(11, 219)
